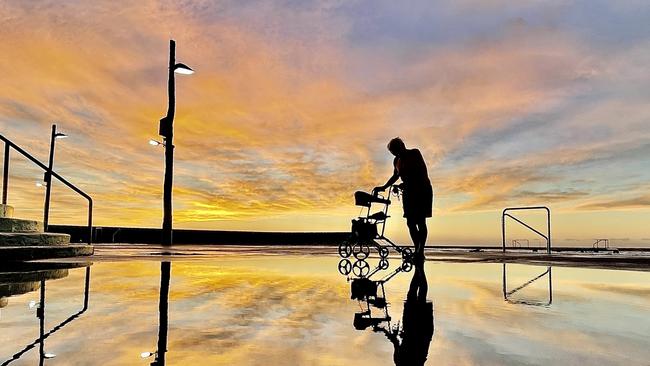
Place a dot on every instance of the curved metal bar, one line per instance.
(5, 180)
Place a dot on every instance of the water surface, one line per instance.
(248, 308)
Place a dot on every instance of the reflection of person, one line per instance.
(417, 191)
(417, 324)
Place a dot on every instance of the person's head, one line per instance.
(396, 146)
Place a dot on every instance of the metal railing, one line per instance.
(505, 214)
(519, 243)
(605, 243)
(5, 180)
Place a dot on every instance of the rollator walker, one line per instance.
(368, 230)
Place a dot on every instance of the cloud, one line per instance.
(292, 104)
(627, 203)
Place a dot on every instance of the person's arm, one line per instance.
(390, 182)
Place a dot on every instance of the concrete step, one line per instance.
(11, 225)
(18, 283)
(31, 276)
(33, 239)
(23, 253)
(6, 211)
(19, 288)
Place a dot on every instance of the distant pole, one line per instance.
(48, 179)
(167, 131)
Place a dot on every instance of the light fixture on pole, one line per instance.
(166, 130)
(48, 174)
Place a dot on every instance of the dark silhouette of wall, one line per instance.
(152, 236)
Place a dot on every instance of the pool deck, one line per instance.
(637, 260)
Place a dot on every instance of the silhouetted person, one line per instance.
(417, 324)
(417, 191)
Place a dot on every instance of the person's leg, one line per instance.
(413, 231)
(423, 231)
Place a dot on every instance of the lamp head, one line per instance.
(60, 135)
(183, 69)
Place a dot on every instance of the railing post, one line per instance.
(5, 175)
(503, 230)
(90, 221)
(548, 242)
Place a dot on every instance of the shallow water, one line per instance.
(295, 309)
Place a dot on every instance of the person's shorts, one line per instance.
(418, 201)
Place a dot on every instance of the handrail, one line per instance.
(505, 214)
(5, 180)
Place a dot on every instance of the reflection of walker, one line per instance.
(365, 231)
(373, 294)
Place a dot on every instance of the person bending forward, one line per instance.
(417, 191)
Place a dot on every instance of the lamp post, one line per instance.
(48, 175)
(166, 130)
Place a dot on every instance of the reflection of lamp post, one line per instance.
(166, 130)
(163, 317)
(48, 175)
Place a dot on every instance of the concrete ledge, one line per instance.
(19, 288)
(11, 225)
(31, 276)
(23, 253)
(6, 211)
(33, 239)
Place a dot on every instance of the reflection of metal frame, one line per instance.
(507, 293)
(40, 313)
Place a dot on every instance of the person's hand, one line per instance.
(377, 190)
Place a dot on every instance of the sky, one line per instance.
(293, 102)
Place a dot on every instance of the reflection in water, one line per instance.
(163, 310)
(411, 338)
(40, 314)
(163, 316)
(507, 294)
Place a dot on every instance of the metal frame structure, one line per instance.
(49, 173)
(518, 243)
(505, 214)
(605, 242)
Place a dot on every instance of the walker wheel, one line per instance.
(383, 252)
(345, 249)
(345, 267)
(407, 254)
(361, 268)
(383, 264)
(407, 266)
(361, 250)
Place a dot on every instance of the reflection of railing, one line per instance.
(548, 224)
(508, 293)
(605, 243)
(41, 316)
(5, 180)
